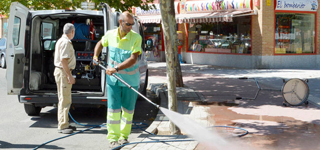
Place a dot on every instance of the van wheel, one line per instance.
(32, 110)
(144, 90)
(3, 62)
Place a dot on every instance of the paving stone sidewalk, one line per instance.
(272, 78)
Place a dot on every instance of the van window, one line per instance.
(47, 36)
(16, 30)
(46, 30)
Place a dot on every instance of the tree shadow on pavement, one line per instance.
(4, 144)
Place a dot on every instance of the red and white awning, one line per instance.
(211, 17)
(186, 18)
(150, 19)
(203, 18)
(200, 17)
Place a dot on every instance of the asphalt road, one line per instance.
(19, 131)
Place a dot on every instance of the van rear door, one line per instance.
(16, 47)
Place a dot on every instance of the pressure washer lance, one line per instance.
(128, 85)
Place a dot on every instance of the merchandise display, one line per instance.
(221, 37)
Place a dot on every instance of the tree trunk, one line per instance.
(170, 40)
(179, 81)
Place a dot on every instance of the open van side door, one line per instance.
(107, 25)
(16, 47)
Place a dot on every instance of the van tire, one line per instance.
(144, 90)
(3, 62)
(32, 110)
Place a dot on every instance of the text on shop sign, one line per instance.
(200, 6)
(297, 5)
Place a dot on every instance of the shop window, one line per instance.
(294, 33)
(221, 37)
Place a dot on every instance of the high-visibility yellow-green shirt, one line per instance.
(119, 51)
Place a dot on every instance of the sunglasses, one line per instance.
(128, 24)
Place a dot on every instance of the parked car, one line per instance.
(31, 45)
(3, 48)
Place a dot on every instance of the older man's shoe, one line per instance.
(72, 127)
(65, 131)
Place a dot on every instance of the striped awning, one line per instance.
(150, 19)
(203, 18)
(200, 17)
(210, 17)
(186, 19)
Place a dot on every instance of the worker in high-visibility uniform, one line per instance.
(124, 48)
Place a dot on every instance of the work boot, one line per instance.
(124, 141)
(113, 144)
(72, 127)
(65, 131)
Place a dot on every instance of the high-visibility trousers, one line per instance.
(64, 96)
(121, 104)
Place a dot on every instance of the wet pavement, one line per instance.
(271, 125)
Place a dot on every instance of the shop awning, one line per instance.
(150, 19)
(212, 16)
(200, 17)
(153, 15)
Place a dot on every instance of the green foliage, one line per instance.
(122, 5)
(127, 4)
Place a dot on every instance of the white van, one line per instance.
(30, 49)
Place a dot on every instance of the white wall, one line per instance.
(254, 62)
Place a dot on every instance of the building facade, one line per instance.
(248, 33)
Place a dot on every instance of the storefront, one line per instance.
(250, 33)
(245, 33)
(295, 35)
(216, 31)
(213, 27)
(295, 27)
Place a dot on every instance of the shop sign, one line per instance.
(216, 5)
(297, 5)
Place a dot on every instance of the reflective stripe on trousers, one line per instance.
(121, 104)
